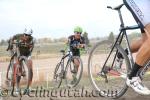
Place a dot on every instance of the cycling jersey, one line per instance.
(140, 9)
(24, 50)
(75, 51)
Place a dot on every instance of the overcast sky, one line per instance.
(57, 18)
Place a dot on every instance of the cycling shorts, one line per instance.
(140, 9)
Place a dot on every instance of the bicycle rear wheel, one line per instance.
(105, 77)
(73, 72)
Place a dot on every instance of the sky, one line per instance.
(57, 18)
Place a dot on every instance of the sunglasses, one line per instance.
(78, 32)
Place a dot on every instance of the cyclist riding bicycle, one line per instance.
(140, 10)
(76, 42)
(25, 50)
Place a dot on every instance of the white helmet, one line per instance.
(28, 32)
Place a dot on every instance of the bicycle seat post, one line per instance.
(120, 14)
(121, 19)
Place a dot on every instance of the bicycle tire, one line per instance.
(121, 50)
(57, 84)
(10, 77)
(79, 75)
(27, 79)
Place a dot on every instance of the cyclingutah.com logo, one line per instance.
(41, 92)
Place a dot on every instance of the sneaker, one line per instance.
(74, 70)
(119, 55)
(26, 91)
(118, 63)
(136, 84)
(18, 91)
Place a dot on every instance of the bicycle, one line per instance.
(68, 70)
(15, 72)
(108, 75)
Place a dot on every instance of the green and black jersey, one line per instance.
(75, 51)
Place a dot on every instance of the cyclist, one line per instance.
(76, 42)
(140, 9)
(25, 50)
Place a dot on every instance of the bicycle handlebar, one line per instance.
(109, 7)
(22, 43)
(75, 45)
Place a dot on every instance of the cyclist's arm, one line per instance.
(82, 43)
(31, 44)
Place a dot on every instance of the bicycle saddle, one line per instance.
(118, 7)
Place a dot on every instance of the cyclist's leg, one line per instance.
(144, 52)
(76, 61)
(136, 44)
(140, 10)
(17, 73)
(30, 65)
(142, 57)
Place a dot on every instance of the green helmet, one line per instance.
(78, 29)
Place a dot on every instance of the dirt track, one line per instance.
(45, 69)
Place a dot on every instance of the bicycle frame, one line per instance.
(119, 38)
(17, 55)
(62, 60)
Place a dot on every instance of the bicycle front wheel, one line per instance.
(21, 77)
(108, 79)
(58, 75)
(73, 71)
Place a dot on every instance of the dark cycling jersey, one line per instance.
(73, 41)
(25, 50)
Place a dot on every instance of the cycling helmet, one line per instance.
(78, 29)
(28, 32)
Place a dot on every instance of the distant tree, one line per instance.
(55, 40)
(62, 39)
(44, 40)
(97, 38)
(111, 37)
(3, 42)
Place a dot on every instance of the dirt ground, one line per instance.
(43, 72)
